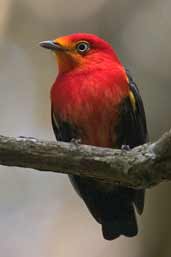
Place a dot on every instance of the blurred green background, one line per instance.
(40, 214)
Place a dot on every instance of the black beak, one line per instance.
(51, 45)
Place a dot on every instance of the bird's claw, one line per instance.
(125, 147)
(76, 141)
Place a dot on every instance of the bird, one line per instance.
(95, 100)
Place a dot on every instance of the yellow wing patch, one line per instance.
(133, 100)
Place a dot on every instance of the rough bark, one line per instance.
(142, 167)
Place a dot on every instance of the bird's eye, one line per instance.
(82, 47)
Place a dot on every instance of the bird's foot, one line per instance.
(125, 147)
(76, 141)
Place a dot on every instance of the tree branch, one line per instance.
(142, 167)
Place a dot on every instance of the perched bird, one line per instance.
(94, 99)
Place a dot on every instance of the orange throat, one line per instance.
(67, 61)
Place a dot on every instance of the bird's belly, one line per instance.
(98, 136)
(96, 126)
(93, 111)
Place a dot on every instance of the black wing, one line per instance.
(64, 131)
(132, 128)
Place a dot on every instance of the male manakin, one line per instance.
(94, 99)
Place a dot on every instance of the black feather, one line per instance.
(112, 206)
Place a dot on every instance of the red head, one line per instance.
(90, 85)
(80, 50)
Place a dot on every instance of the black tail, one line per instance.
(113, 209)
(122, 223)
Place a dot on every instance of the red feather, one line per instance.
(90, 100)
